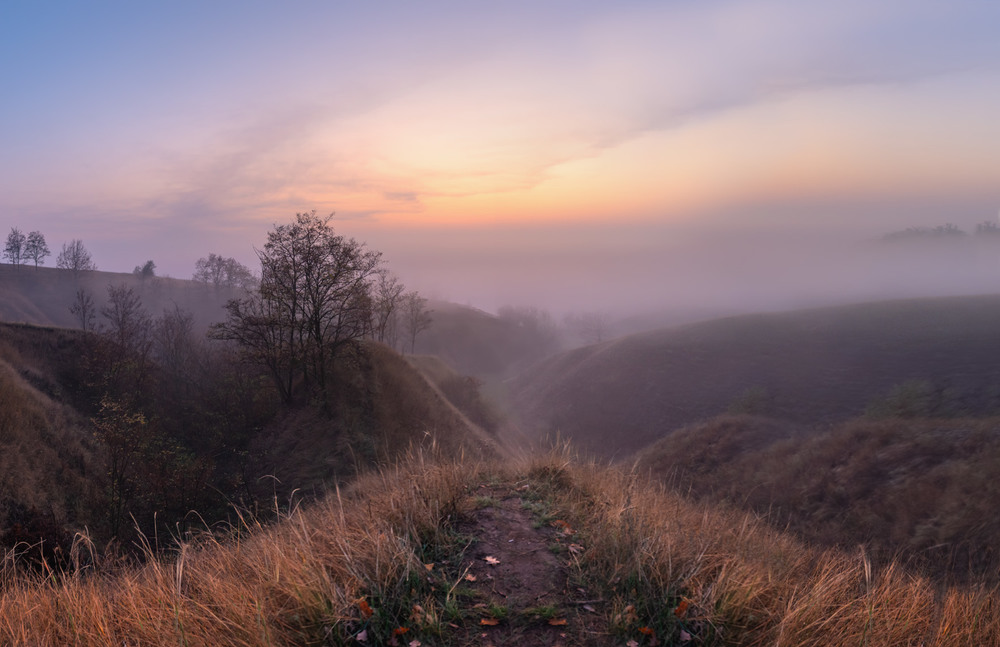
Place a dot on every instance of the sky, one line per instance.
(560, 154)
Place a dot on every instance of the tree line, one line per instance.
(20, 248)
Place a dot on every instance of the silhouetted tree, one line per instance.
(36, 249)
(145, 271)
(14, 249)
(313, 300)
(387, 297)
(416, 316)
(75, 258)
(223, 272)
(124, 435)
(83, 309)
(129, 332)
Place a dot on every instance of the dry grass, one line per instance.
(922, 489)
(300, 581)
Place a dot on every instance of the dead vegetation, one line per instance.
(381, 563)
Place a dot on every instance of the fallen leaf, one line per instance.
(557, 622)
(399, 631)
(415, 643)
(685, 636)
(362, 636)
(681, 608)
(366, 609)
(646, 630)
(429, 567)
(491, 560)
(589, 608)
(631, 643)
(490, 622)
(469, 577)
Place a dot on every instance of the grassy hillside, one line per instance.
(44, 295)
(814, 366)
(922, 489)
(193, 441)
(410, 556)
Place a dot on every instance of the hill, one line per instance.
(810, 367)
(43, 295)
(913, 489)
(79, 452)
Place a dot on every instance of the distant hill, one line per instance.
(812, 366)
(43, 295)
(478, 343)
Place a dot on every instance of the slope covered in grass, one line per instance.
(921, 489)
(388, 561)
(813, 366)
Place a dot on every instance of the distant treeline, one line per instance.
(948, 231)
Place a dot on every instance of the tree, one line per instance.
(36, 249)
(130, 335)
(14, 249)
(312, 302)
(83, 309)
(124, 434)
(223, 272)
(416, 316)
(145, 271)
(591, 327)
(388, 294)
(75, 258)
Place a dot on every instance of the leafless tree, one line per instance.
(83, 309)
(387, 298)
(416, 316)
(174, 342)
(223, 272)
(591, 327)
(14, 249)
(75, 258)
(313, 300)
(36, 249)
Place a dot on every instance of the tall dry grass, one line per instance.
(645, 551)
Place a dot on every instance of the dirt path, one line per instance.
(518, 568)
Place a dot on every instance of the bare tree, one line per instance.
(416, 316)
(387, 297)
(84, 310)
(313, 300)
(223, 272)
(174, 341)
(36, 249)
(591, 327)
(75, 258)
(14, 249)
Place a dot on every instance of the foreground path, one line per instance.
(517, 567)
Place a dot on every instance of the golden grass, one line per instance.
(300, 580)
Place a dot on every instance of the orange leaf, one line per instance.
(681, 608)
(470, 577)
(557, 622)
(491, 560)
(491, 622)
(646, 630)
(429, 567)
(366, 610)
(399, 631)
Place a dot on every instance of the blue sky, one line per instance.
(458, 137)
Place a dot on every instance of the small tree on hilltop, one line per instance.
(75, 258)
(146, 271)
(14, 249)
(36, 249)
